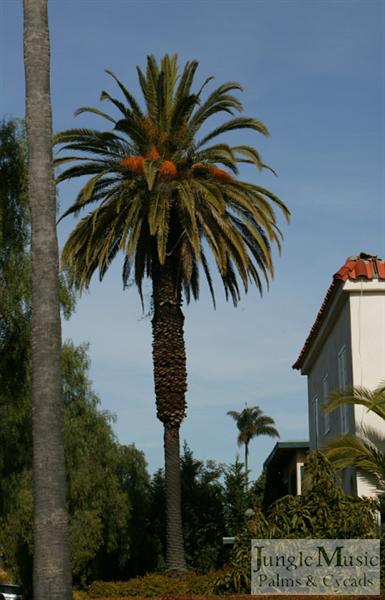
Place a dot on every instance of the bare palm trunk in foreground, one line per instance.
(52, 576)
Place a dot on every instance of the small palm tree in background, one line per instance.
(366, 450)
(251, 423)
(163, 201)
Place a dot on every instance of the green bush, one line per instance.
(155, 584)
(239, 597)
(323, 511)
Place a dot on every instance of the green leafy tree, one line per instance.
(14, 309)
(157, 519)
(15, 350)
(15, 410)
(98, 504)
(202, 511)
(108, 491)
(108, 483)
(258, 490)
(237, 499)
(251, 423)
(136, 483)
(366, 450)
(163, 201)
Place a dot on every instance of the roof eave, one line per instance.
(279, 446)
(331, 308)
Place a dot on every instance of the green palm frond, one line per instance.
(354, 451)
(231, 125)
(366, 450)
(373, 400)
(133, 104)
(95, 111)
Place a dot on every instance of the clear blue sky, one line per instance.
(314, 72)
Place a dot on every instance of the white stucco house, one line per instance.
(346, 346)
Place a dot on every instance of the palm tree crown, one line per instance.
(160, 192)
(251, 422)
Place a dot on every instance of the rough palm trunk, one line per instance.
(170, 378)
(51, 571)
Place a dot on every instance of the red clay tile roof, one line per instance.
(364, 266)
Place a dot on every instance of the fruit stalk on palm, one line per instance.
(166, 197)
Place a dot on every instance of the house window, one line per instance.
(315, 420)
(342, 383)
(325, 387)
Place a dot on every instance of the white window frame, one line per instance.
(325, 390)
(342, 382)
(315, 407)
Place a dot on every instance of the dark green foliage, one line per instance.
(236, 498)
(15, 311)
(13, 219)
(215, 500)
(98, 505)
(108, 488)
(258, 490)
(323, 511)
(157, 519)
(135, 482)
(202, 512)
(15, 417)
(14, 296)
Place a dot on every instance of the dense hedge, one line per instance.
(187, 587)
(229, 597)
(153, 585)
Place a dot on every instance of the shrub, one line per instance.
(239, 597)
(154, 584)
(323, 511)
(76, 595)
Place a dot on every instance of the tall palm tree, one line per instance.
(52, 575)
(366, 450)
(251, 422)
(164, 202)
